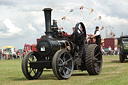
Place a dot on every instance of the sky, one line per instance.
(22, 21)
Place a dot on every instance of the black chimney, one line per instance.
(47, 14)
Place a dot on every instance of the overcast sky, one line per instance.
(22, 21)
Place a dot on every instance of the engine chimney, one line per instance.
(47, 14)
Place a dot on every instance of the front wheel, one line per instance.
(31, 73)
(62, 64)
(93, 59)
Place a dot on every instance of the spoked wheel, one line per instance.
(93, 59)
(31, 73)
(121, 57)
(62, 64)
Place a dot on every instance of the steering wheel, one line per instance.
(80, 34)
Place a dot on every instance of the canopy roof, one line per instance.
(8, 47)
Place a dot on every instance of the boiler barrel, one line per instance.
(48, 47)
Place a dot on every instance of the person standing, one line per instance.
(115, 50)
(97, 36)
(0, 54)
(10, 54)
(21, 54)
(110, 49)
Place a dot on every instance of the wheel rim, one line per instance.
(65, 65)
(97, 59)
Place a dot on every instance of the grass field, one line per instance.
(113, 73)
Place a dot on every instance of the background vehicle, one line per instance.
(123, 54)
(112, 42)
(8, 49)
(28, 47)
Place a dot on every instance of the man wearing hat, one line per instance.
(97, 36)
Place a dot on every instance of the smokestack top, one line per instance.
(47, 14)
(47, 9)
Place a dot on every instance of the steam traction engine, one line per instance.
(62, 54)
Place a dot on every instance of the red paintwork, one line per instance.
(33, 48)
(38, 39)
(109, 42)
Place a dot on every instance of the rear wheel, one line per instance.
(62, 64)
(31, 73)
(121, 57)
(93, 59)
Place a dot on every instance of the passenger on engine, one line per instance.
(97, 36)
(90, 40)
(71, 36)
(63, 33)
(87, 39)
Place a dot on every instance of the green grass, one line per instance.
(113, 73)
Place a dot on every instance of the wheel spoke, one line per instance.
(96, 66)
(33, 58)
(60, 65)
(95, 59)
(64, 54)
(97, 69)
(60, 69)
(95, 50)
(68, 69)
(97, 54)
(64, 57)
(99, 62)
(68, 60)
(64, 72)
(30, 71)
(34, 70)
(29, 61)
(61, 60)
